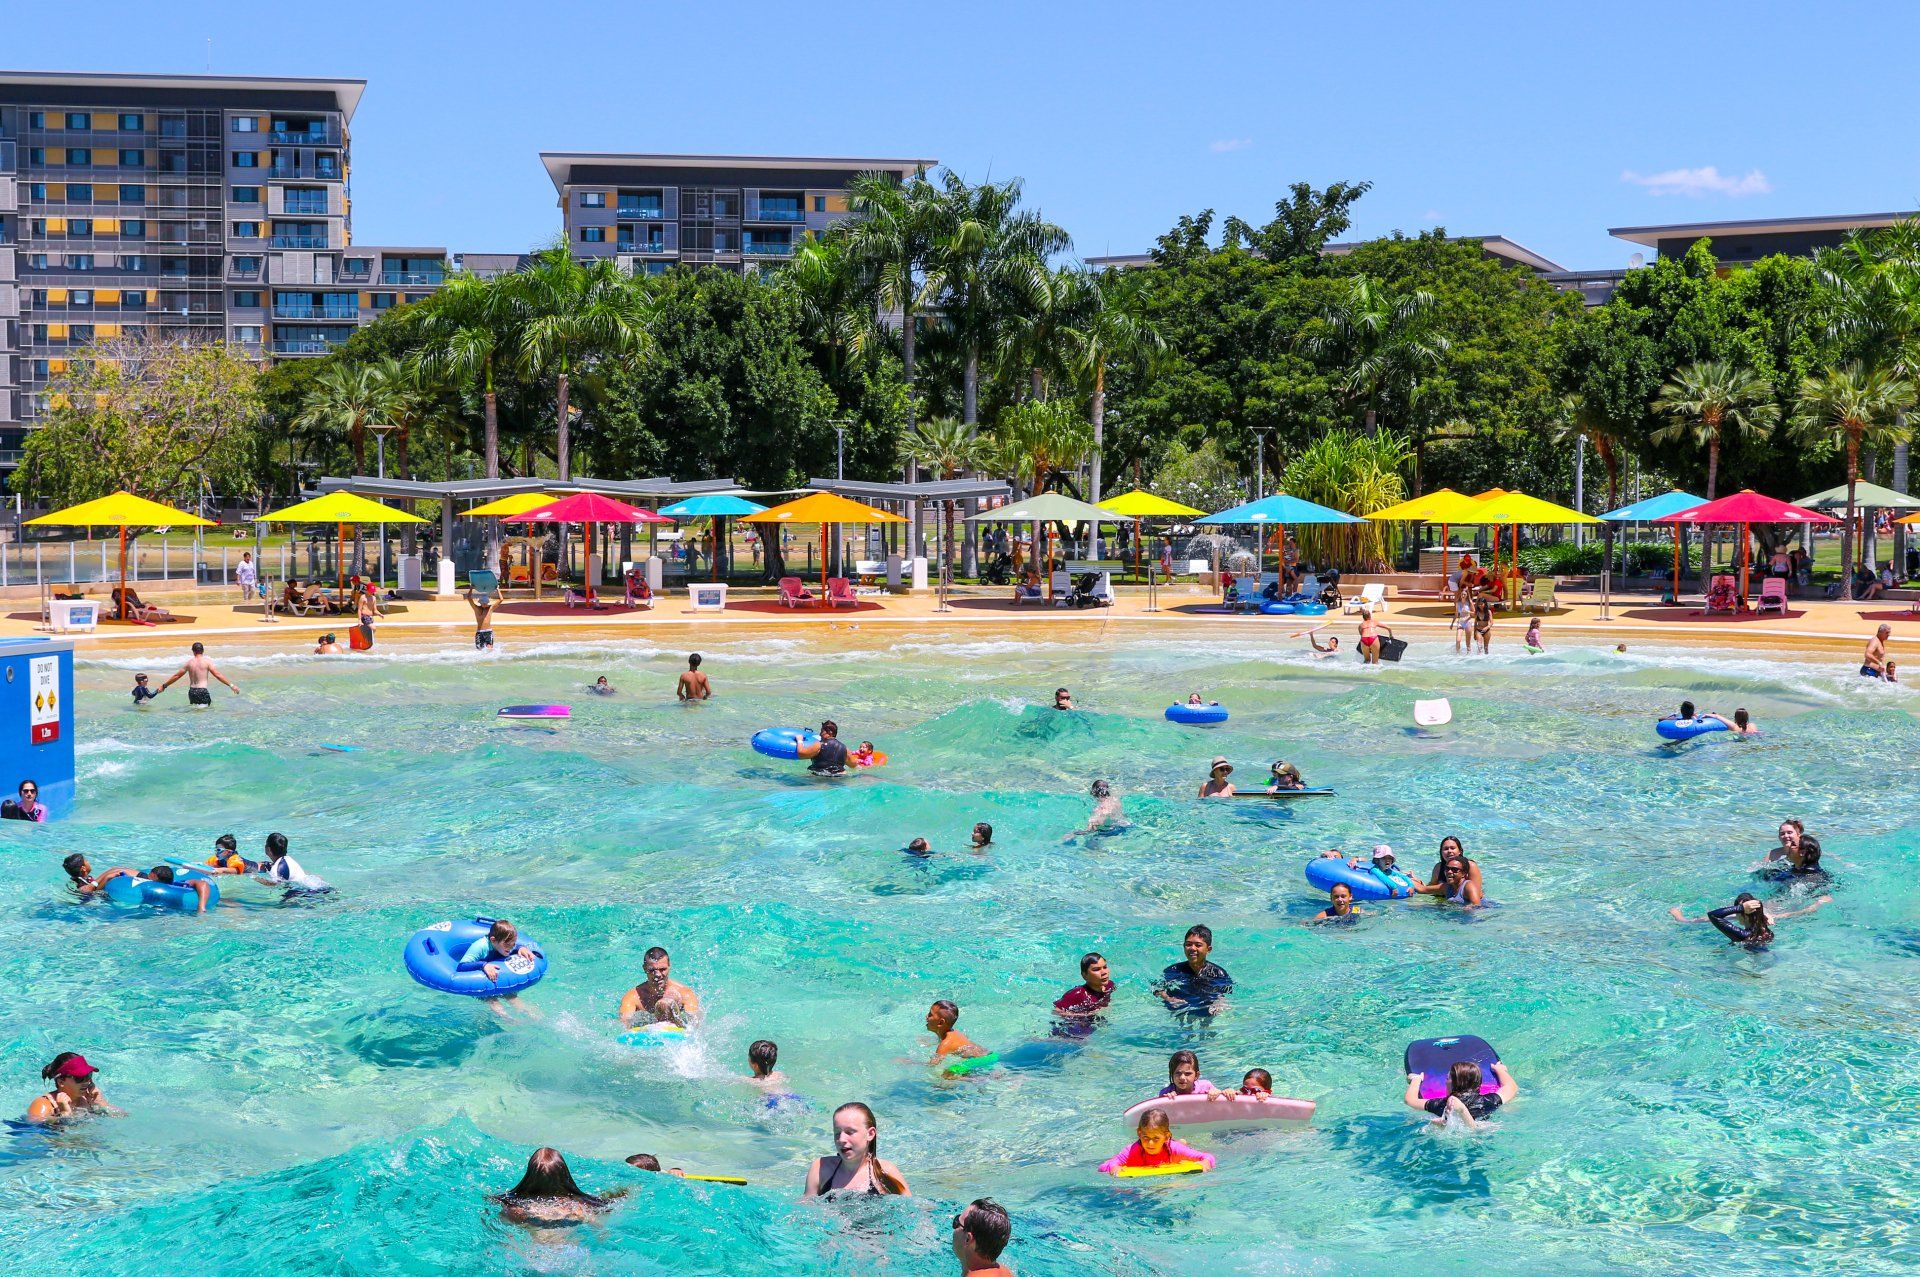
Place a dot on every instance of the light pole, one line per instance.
(839, 450)
(1579, 485)
(1260, 461)
(380, 453)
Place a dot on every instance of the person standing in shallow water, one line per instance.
(693, 684)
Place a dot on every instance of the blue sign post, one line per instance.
(36, 719)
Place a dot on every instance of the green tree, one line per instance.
(947, 448)
(1303, 224)
(1378, 342)
(1355, 473)
(1711, 402)
(344, 399)
(470, 329)
(1850, 408)
(574, 314)
(889, 241)
(161, 417)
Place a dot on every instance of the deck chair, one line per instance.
(549, 573)
(1773, 595)
(519, 574)
(840, 592)
(577, 598)
(793, 593)
(1372, 597)
(1541, 599)
(1722, 595)
(1309, 588)
(639, 593)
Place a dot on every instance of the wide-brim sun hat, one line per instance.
(1218, 763)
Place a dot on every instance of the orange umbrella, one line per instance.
(823, 508)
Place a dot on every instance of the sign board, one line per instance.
(43, 685)
(708, 597)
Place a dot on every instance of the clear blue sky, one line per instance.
(1545, 123)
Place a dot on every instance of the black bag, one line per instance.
(1391, 648)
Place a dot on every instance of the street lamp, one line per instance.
(839, 450)
(1260, 434)
(380, 451)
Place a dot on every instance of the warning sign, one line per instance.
(43, 684)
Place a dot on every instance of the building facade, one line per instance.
(213, 205)
(650, 212)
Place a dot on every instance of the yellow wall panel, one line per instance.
(103, 331)
(56, 190)
(56, 332)
(106, 193)
(836, 203)
(56, 297)
(366, 301)
(105, 156)
(56, 226)
(106, 120)
(107, 296)
(56, 366)
(57, 400)
(106, 226)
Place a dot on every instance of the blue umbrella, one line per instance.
(710, 504)
(1654, 507)
(1281, 509)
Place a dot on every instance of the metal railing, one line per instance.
(300, 137)
(778, 215)
(642, 212)
(302, 310)
(304, 208)
(765, 248)
(412, 277)
(298, 241)
(642, 246)
(304, 347)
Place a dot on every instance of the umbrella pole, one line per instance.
(1049, 565)
(1443, 555)
(123, 572)
(340, 558)
(1745, 533)
(1676, 565)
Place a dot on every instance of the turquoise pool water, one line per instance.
(296, 1104)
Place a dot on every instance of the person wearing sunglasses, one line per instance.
(74, 1092)
(27, 806)
(980, 1233)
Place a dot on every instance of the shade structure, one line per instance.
(1514, 508)
(518, 503)
(825, 509)
(121, 510)
(1745, 507)
(711, 505)
(1139, 506)
(1443, 506)
(1652, 508)
(1145, 505)
(1048, 508)
(339, 509)
(1866, 496)
(588, 508)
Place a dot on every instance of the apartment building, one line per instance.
(650, 212)
(216, 205)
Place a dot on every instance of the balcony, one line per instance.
(313, 172)
(765, 248)
(298, 241)
(778, 215)
(306, 310)
(640, 212)
(304, 208)
(302, 137)
(429, 277)
(642, 246)
(304, 346)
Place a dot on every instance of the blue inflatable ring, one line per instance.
(1687, 728)
(1279, 608)
(1313, 607)
(1366, 882)
(123, 890)
(433, 957)
(783, 742)
(1197, 715)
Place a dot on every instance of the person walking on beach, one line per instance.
(198, 670)
(482, 620)
(1873, 662)
(693, 684)
(247, 576)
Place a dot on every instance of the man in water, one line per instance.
(198, 670)
(658, 998)
(693, 684)
(980, 1233)
(941, 1017)
(1873, 663)
(1077, 1008)
(829, 753)
(1106, 811)
(482, 606)
(1195, 986)
(1062, 698)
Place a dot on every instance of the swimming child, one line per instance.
(1463, 1101)
(1893, 672)
(1533, 636)
(1284, 775)
(863, 757)
(80, 879)
(601, 687)
(1183, 1076)
(1741, 723)
(1194, 699)
(941, 1017)
(226, 857)
(982, 836)
(141, 692)
(1257, 1083)
(501, 943)
(1155, 1146)
(1331, 650)
(918, 847)
(761, 1058)
(1339, 904)
(1106, 811)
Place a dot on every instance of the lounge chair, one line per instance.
(1541, 598)
(574, 598)
(639, 593)
(840, 592)
(1308, 589)
(1723, 595)
(519, 574)
(1372, 598)
(793, 593)
(131, 608)
(1773, 595)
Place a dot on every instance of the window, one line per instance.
(133, 299)
(593, 234)
(79, 193)
(246, 159)
(80, 297)
(80, 332)
(37, 261)
(37, 156)
(593, 199)
(246, 230)
(38, 366)
(131, 122)
(36, 119)
(79, 227)
(78, 119)
(37, 227)
(79, 261)
(357, 266)
(79, 157)
(246, 265)
(248, 300)
(246, 195)
(133, 228)
(133, 157)
(133, 194)
(383, 301)
(134, 262)
(37, 192)
(819, 203)
(656, 268)
(246, 124)
(248, 334)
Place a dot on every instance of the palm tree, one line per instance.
(1853, 407)
(1042, 338)
(835, 303)
(1711, 402)
(889, 239)
(575, 313)
(471, 327)
(1580, 420)
(1380, 343)
(947, 448)
(1110, 333)
(346, 397)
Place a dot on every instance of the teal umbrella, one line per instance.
(712, 505)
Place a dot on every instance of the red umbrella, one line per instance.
(1744, 508)
(588, 508)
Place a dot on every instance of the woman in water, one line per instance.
(73, 1093)
(1453, 884)
(1746, 921)
(1451, 848)
(1217, 785)
(1464, 1101)
(857, 1167)
(1741, 724)
(546, 1194)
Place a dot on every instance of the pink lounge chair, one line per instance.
(639, 593)
(793, 593)
(840, 592)
(1723, 595)
(1773, 595)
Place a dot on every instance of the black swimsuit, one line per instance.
(1724, 922)
(873, 1183)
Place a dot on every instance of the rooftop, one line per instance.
(346, 93)
(561, 163)
(1652, 235)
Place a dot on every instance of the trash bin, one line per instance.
(410, 573)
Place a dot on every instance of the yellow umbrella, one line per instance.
(122, 509)
(1138, 505)
(519, 503)
(339, 509)
(822, 508)
(1443, 506)
(1501, 508)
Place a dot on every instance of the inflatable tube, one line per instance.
(535, 713)
(783, 742)
(1237, 1110)
(1687, 728)
(432, 958)
(1151, 1172)
(659, 1033)
(1197, 715)
(716, 1179)
(879, 760)
(1434, 1058)
(972, 1064)
(1278, 609)
(1311, 608)
(1366, 882)
(123, 890)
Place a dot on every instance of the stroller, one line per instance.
(998, 570)
(1085, 591)
(1330, 588)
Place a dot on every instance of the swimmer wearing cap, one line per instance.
(74, 1091)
